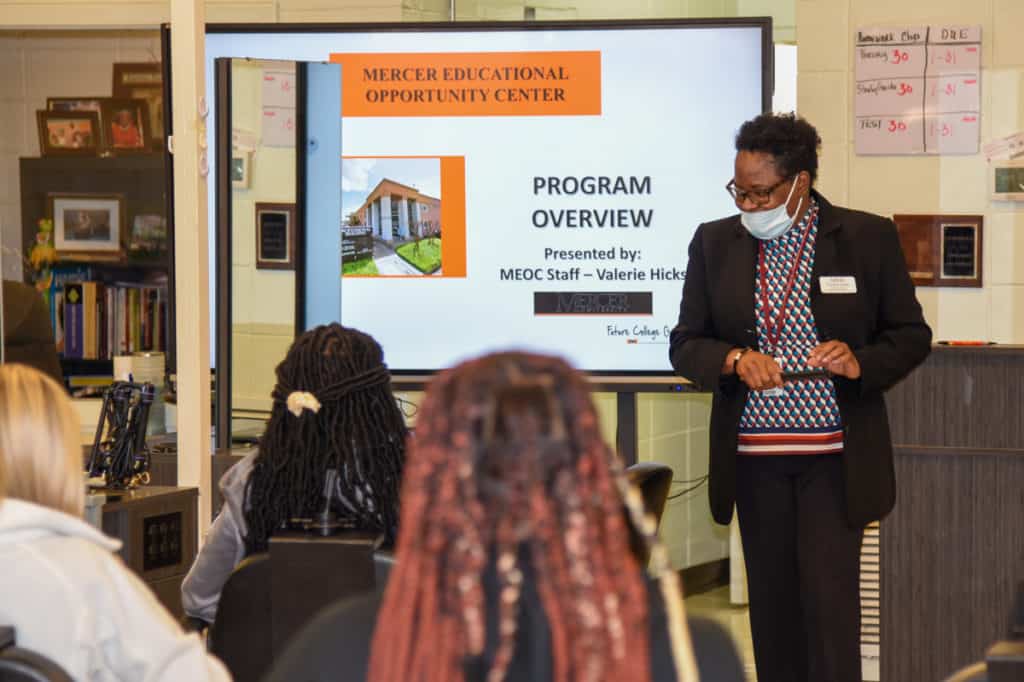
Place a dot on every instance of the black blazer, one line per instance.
(881, 322)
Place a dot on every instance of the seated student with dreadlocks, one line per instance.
(334, 424)
(513, 559)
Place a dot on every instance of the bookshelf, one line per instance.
(141, 181)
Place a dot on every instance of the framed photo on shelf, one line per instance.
(68, 133)
(125, 126)
(148, 237)
(1006, 180)
(275, 236)
(241, 166)
(143, 81)
(87, 226)
(74, 104)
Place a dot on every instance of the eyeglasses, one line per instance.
(758, 197)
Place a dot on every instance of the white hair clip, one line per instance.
(302, 400)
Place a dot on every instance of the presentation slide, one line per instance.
(528, 189)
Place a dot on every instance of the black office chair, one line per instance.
(241, 633)
(654, 481)
(21, 665)
(336, 646)
(382, 565)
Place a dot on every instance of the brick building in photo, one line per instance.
(394, 211)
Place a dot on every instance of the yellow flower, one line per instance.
(42, 254)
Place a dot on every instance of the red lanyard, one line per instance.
(773, 328)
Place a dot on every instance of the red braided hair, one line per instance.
(508, 453)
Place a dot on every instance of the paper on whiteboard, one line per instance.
(278, 87)
(917, 90)
(278, 127)
(244, 140)
(1009, 147)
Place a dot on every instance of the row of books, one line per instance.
(95, 320)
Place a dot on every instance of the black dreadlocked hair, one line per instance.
(358, 433)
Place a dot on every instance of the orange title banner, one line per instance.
(471, 84)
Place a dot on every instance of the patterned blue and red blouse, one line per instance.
(802, 418)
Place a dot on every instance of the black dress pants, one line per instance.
(803, 564)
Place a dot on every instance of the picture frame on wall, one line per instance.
(1006, 180)
(125, 126)
(74, 104)
(69, 133)
(942, 250)
(241, 167)
(143, 80)
(275, 236)
(87, 226)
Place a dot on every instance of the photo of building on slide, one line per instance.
(392, 216)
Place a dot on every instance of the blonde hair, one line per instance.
(40, 452)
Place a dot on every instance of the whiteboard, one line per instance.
(917, 90)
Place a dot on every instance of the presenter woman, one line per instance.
(798, 315)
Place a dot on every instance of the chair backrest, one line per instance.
(21, 665)
(269, 597)
(654, 481)
(241, 633)
(382, 564)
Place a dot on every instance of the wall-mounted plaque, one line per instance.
(1007, 180)
(942, 250)
(275, 236)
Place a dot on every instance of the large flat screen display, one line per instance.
(524, 186)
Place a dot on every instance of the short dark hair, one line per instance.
(791, 141)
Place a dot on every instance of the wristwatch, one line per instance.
(737, 355)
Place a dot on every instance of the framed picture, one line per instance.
(68, 133)
(74, 104)
(143, 81)
(241, 165)
(87, 226)
(275, 236)
(125, 126)
(148, 236)
(1007, 180)
(942, 250)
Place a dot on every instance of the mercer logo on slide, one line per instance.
(592, 303)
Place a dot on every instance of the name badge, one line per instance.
(838, 285)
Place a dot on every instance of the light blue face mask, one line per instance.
(771, 223)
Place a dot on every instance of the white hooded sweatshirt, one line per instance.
(70, 599)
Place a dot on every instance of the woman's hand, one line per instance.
(759, 371)
(836, 357)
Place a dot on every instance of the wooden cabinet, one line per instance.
(157, 528)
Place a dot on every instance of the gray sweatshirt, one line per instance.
(224, 547)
